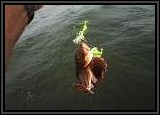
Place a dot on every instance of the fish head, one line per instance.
(84, 54)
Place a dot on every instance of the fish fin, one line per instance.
(82, 88)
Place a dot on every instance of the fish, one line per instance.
(89, 69)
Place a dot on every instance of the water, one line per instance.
(43, 69)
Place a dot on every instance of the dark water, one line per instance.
(43, 69)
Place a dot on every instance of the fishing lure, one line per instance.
(80, 36)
